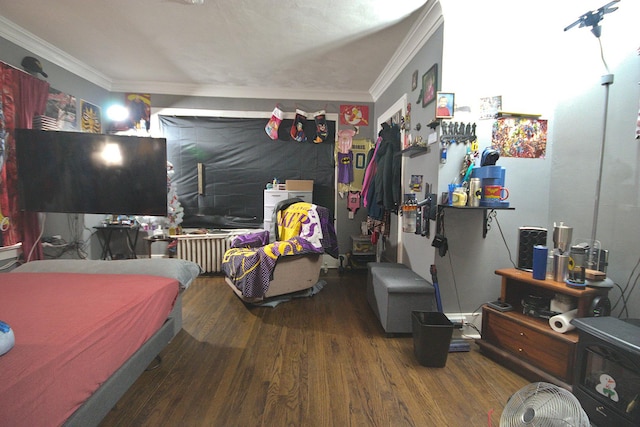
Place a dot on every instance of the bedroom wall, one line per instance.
(345, 225)
(488, 50)
(70, 228)
(78, 227)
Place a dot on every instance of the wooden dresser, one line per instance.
(527, 344)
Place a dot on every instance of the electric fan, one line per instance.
(543, 404)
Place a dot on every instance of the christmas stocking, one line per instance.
(321, 126)
(297, 131)
(274, 123)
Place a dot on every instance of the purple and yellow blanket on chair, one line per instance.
(303, 227)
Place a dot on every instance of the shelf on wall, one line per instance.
(484, 209)
(415, 150)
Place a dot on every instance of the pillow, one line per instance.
(179, 269)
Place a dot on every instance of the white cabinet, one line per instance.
(273, 197)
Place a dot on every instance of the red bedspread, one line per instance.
(72, 332)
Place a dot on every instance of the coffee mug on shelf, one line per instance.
(495, 193)
(459, 197)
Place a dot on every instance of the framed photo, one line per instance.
(414, 80)
(429, 85)
(445, 106)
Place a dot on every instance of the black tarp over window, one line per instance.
(239, 159)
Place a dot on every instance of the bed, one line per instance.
(84, 336)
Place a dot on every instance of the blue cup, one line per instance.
(540, 262)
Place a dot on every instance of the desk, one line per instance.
(105, 232)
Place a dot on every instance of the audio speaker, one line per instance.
(527, 239)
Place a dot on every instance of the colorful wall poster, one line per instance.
(520, 137)
(61, 107)
(139, 106)
(355, 115)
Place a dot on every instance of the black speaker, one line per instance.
(527, 239)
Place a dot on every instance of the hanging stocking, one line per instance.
(274, 123)
(297, 131)
(321, 126)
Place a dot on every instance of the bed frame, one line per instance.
(98, 405)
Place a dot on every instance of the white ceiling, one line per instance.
(250, 48)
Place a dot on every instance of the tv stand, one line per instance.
(105, 234)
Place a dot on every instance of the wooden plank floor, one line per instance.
(319, 361)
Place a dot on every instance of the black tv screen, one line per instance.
(76, 172)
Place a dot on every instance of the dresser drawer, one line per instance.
(273, 197)
(306, 196)
(545, 350)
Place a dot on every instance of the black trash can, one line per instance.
(432, 333)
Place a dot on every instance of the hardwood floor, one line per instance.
(318, 361)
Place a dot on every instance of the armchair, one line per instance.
(256, 270)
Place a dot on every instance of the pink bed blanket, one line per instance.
(72, 331)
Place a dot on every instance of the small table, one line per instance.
(105, 232)
(152, 239)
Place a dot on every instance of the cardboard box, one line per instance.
(299, 184)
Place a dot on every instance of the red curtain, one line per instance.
(23, 96)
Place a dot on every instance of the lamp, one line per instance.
(592, 19)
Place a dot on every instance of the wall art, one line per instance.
(446, 104)
(429, 85)
(520, 137)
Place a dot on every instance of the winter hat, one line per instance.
(33, 66)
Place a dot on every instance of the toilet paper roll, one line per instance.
(562, 322)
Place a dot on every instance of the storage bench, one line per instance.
(394, 291)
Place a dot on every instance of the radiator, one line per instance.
(205, 250)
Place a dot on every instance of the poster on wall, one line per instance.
(90, 117)
(139, 106)
(355, 115)
(490, 106)
(520, 137)
(416, 184)
(429, 85)
(61, 108)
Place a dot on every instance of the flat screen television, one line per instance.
(74, 172)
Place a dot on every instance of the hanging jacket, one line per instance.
(389, 169)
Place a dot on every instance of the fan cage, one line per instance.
(545, 405)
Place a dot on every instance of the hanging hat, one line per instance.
(33, 66)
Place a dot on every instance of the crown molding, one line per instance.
(187, 89)
(425, 26)
(47, 51)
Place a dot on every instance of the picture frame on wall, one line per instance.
(445, 106)
(429, 85)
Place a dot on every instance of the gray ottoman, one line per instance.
(394, 291)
